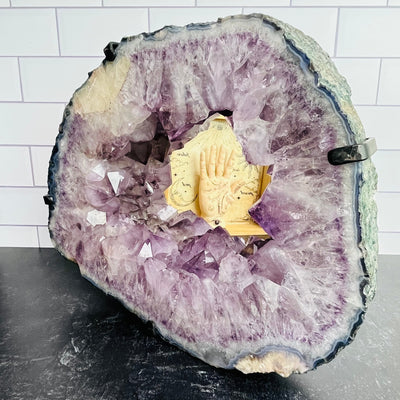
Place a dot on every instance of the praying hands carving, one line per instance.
(216, 188)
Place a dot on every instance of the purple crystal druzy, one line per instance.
(218, 296)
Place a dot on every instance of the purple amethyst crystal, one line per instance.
(285, 304)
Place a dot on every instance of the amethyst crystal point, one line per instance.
(283, 304)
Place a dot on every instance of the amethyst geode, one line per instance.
(285, 304)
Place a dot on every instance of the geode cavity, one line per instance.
(285, 304)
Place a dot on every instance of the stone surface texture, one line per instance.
(286, 304)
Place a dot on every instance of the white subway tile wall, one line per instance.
(40, 163)
(383, 124)
(44, 237)
(388, 242)
(85, 31)
(160, 17)
(15, 164)
(22, 206)
(18, 236)
(54, 79)
(241, 3)
(30, 123)
(368, 32)
(336, 3)
(9, 79)
(389, 180)
(56, 3)
(28, 32)
(49, 46)
(388, 216)
(358, 71)
(153, 3)
(389, 85)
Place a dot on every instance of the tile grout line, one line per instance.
(37, 235)
(192, 6)
(337, 32)
(24, 145)
(58, 56)
(23, 226)
(58, 32)
(30, 102)
(23, 187)
(31, 161)
(284, 6)
(20, 81)
(365, 58)
(379, 82)
(386, 150)
(376, 105)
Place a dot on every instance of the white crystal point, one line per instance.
(115, 178)
(149, 188)
(146, 251)
(96, 217)
(100, 170)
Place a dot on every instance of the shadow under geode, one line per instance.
(104, 351)
(120, 356)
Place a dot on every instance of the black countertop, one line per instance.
(62, 338)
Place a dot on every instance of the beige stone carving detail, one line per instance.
(211, 177)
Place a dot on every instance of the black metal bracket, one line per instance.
(48, 200)
(353, 153)
(110, 51)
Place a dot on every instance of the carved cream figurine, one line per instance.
(216, 187)
(211, 177)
